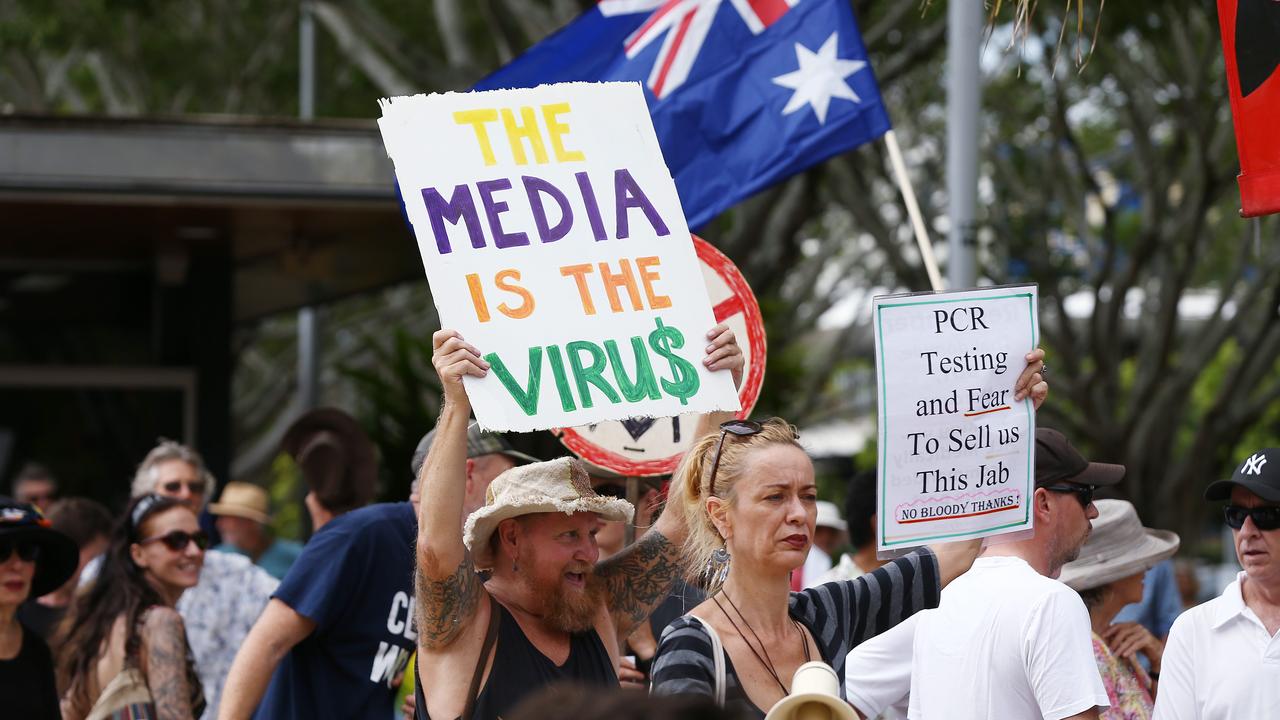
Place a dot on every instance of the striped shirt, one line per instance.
(839, 615)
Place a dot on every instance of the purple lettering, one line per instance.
(628, 195)
(533, 187)
(593, 208)
(493, 209)
(459, 207)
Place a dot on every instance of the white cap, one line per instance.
(829, 516)
(815, 695)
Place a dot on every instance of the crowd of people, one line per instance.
(506, 586)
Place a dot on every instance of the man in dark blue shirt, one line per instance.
(338, 631)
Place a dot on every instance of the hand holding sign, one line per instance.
(553, 238)
(454, 358)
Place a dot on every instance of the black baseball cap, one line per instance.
(1057, 461)
(1259, 474)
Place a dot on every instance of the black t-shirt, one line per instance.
(26, 681)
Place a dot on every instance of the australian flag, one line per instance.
(743, 93)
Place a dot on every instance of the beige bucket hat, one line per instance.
(560, 485)
(243, 500)
(1118, 546)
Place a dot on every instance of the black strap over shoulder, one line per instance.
(473, 692)
(490, 637)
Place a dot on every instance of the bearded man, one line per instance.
(548, 611)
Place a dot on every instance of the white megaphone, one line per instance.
(815, 695)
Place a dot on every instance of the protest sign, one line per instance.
(553, 240)
(647, 447)
(956, 451)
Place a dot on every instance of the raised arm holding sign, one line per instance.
(546, 595)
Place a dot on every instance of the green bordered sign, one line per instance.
(956, 454)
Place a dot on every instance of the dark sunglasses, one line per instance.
(27, 551)
(195, 487)
(177, 540)
(1083, 493)
(1264, 518)
(739, 428)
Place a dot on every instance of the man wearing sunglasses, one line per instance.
(1008, 640)
(1222, 660)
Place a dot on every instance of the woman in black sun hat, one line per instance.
(34, 560)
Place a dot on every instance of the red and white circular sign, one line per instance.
(644, 447)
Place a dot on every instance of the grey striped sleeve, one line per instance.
(683, 663)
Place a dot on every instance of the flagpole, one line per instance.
(913, 209)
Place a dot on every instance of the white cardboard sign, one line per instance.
(554, 241)
(956, 453)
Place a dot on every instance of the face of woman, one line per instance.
(174, 569)
(771, 520)
(15, 578)
(1129, 589)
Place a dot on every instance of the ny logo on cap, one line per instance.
(1253, 466)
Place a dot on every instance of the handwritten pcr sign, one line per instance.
(956, 450)
(554, 241)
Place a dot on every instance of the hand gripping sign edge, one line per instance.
(741, 300)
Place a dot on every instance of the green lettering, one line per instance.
(646, 383)
(593, 375)
(562, 381)
(527, 399)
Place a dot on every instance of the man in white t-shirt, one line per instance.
(1222, 660)
(1008, 641)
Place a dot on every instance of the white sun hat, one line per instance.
(815, 695)
(560, 485)
(1118, 546)
(829, 516)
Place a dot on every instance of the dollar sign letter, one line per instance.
(684, 376)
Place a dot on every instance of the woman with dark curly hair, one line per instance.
(125, 651)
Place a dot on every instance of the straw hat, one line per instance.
(243, 500)
(1118, 546)
(559, 485)
(815, 695)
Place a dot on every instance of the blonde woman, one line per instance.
(749, 499)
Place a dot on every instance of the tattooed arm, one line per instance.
(447, 585)
(638, 578)
(165, 651)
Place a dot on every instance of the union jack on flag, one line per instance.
(743, 93)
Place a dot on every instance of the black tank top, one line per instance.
(520, 669)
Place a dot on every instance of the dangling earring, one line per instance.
(718, 566)
(514, 566)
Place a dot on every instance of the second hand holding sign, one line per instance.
(553, 240)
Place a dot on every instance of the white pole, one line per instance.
(913, 209)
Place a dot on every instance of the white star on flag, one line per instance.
(820, 78)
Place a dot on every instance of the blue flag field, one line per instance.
(743, 93)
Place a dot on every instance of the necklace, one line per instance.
(766, 661)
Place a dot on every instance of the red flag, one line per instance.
(1251, 44)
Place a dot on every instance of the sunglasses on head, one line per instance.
(1264, 518)
(1083, 493)
(177, 540)
(173, 487)
(739, 428)
(27, 550)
